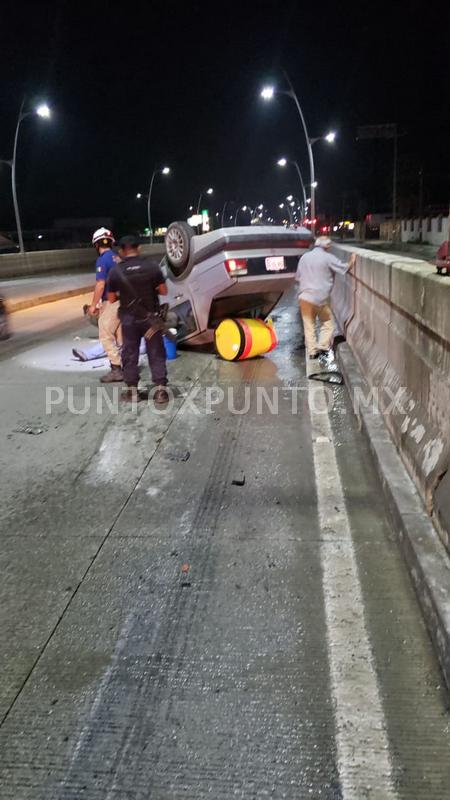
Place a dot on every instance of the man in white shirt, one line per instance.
(315, 276)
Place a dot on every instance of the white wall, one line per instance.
(434, 230)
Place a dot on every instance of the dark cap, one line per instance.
(129, 241)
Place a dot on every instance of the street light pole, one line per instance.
(42, 111)
(302, 185)
(297, 203)
(204, 191)
(163, 171)
(13, 179)
(222, 217)
(149, 211)
(242, 208)
(291, 219)
(291, 93)
(267, 94)
(282, 163)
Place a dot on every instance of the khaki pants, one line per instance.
(110, 331)
(309, 313)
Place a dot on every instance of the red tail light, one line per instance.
(236, 266)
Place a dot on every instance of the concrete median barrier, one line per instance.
(394, 314)
(33, 279)
(16, 265)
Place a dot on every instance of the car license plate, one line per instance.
(275, 264)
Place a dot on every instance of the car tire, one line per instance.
(178, 246)
(4, 328)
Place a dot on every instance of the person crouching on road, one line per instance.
(315, 275)
(109, 329)
(138, 281)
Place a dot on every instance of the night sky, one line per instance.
(136, 83)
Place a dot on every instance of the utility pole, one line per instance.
(420, 202)
(343, 214)
(448, 233)
(394, 188)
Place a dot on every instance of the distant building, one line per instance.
(433, 230)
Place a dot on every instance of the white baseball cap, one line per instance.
(322, 241)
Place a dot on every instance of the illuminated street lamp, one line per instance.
(243, 208)
(288, 209)
(204, 191)
(297, 203)
(268, 93)
(44, 112)
(283, 162)
(156, 171)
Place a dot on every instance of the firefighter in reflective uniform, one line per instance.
(109, 328)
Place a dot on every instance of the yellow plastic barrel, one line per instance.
(237, 339)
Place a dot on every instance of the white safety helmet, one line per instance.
(103, 237)
(323, 241)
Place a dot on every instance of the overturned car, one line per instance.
(227, 273)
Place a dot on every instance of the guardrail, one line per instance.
(394, 314)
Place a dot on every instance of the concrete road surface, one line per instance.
(207, 602)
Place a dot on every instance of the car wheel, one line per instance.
(4, 329)
(178, 246)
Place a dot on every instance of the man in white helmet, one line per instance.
(315, 275)
(109, 328)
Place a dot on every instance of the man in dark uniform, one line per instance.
(137, 281)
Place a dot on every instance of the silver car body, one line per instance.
(206, 292)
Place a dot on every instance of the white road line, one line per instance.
(364, 763)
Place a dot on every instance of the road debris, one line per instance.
(30, 429)
(179, 456)
(327, 377)
(239, 480)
